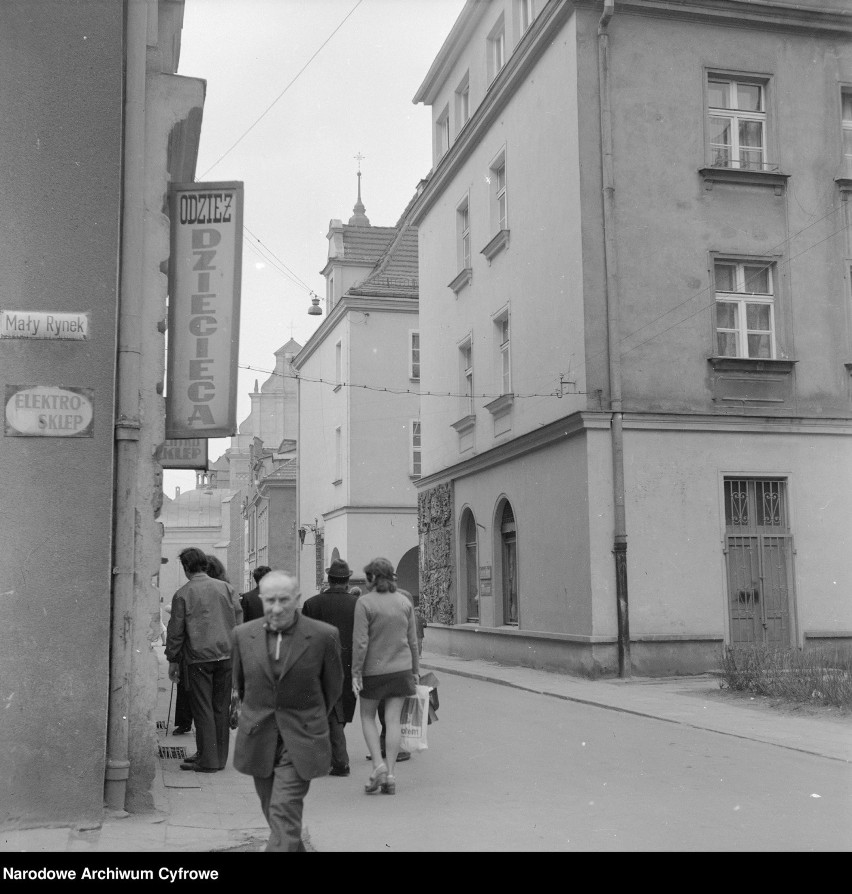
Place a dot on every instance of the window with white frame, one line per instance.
(416, 451)
(463, 102)
(847, 125)
(463, 233)
(329, 294)
(745, 309)
(501, 323)
(338, 455)
(442, 133)
(414, 354)
(338, 363)
(526, 14)
(737, 122)
(496, 49)
(498, 193)
(466, 378)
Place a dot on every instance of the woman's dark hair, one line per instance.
(193, 560)
(216, 569)
(380, 573)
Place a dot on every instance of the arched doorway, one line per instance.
(509, 564)
(470, 564)
(408, 573)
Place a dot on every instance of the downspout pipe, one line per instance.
(127, 423)
(613, 345)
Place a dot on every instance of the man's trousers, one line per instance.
(210, 696)
(282, 797)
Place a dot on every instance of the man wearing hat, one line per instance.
(336, 606)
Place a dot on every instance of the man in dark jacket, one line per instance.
(336, 606)
(287, 673)
(250, 601)
(204, 614)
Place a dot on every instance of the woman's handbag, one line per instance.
(414, 719)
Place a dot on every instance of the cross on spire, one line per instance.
(359, 158)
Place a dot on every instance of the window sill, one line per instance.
(461, 280)
(414, 477)
(501, 406)
(465, 424)
(497, 244)
(845, 186)
(747, 364)
(774, 179)
(414, 379)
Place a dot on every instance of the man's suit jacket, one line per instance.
(296, 705)
(252, 604)
(336, 606)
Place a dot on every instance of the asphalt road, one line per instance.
(508, 770)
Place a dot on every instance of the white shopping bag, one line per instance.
(414, 720)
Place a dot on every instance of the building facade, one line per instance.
(359, 414)
(635, 270)
(85, 240)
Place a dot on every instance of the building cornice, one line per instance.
(369, 510)
(372, 304)
(567, 427)
(580, 422)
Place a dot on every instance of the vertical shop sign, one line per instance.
(205, 270)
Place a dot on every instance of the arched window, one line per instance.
(470, 571)
(509, 560)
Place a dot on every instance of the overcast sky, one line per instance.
(298, 124)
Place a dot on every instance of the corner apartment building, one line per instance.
(635, 274)
(96, 124)
(359, 424)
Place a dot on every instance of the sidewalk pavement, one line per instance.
(220, 812)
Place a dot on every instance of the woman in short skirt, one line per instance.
(385, 665)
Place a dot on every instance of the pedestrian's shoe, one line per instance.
(403, 756)
(191, 765)
(389, 785)
(377, 779)
(181, 730)
(192, 760)
(339, 771)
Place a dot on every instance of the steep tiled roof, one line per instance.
(366, 243)
(395, 275)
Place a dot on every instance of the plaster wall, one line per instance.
(676, 524)
(549, 495)
(59, 233)
(538, 275)
(668, 223)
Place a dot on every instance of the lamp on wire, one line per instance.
(315, 310)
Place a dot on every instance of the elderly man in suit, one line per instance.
(336, 606)
(288, 674)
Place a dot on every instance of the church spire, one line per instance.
(359, 218)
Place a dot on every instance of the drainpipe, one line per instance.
(613, 346)
(127, 424)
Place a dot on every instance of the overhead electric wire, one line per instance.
(289, 85)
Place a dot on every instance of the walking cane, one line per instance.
(168, 713)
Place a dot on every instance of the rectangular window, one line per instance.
(463, 231)
(737, 123)
(338, 363)
(745, 310)
(466, 351)
(462, 103)
(496, 49)
(847, 126)
(414, 354)
(499, 218)
(338, 455)
(442, 134)
(505, 364)
(526, 10)
(416, 454)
